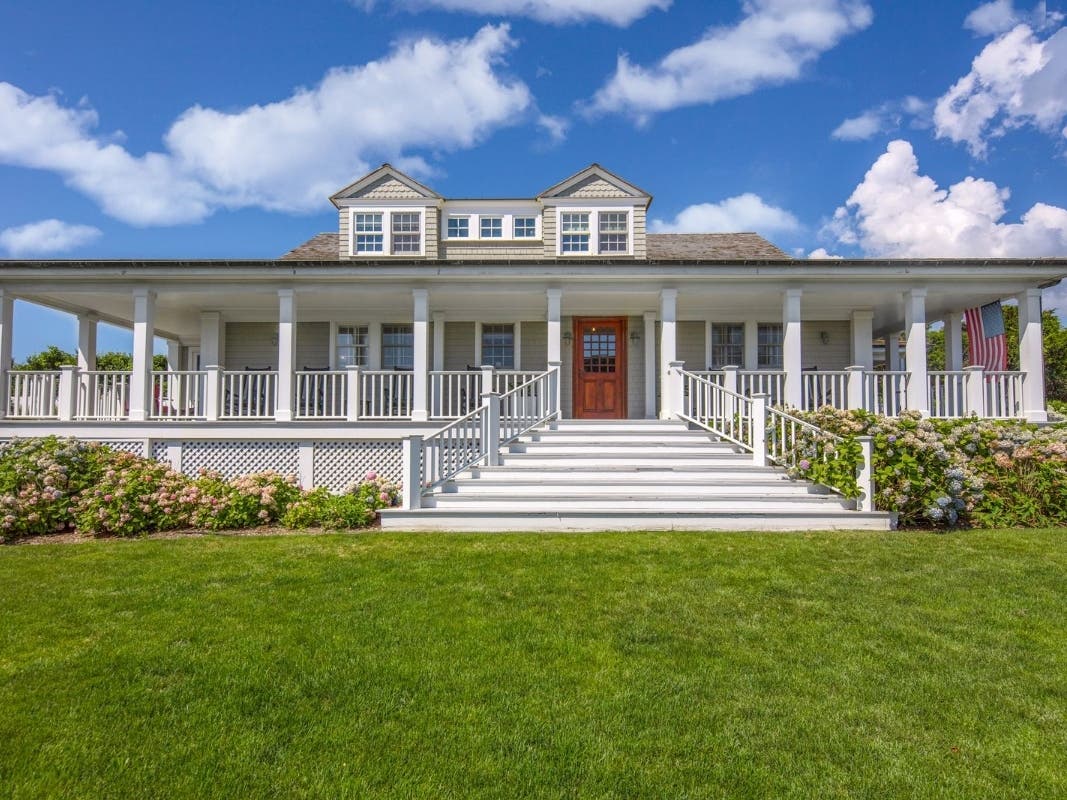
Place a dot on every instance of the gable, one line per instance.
(385, 183)
(388, 188)
(595, 182)
(595, 186)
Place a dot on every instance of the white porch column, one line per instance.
(668, 348)
(915, 350)
(1031, 357)
(283, 409)
(650, 365)
(517, 345)
(477, 343)
(211, 339)
(421, 364)
(892, 351)
(7, 309)
(751, 344)
(954, 341)
(438, 342)
(144, 312)
(555, 331)
(86, 341)
(792, 358)
(174, 355)
(863, 338)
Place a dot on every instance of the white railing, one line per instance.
(476, 437)
(948, 394)
(32, 394)
(824, 388)
(178, 394)
(709, 405)
(714, 375)
(454, 393)
(1004, 394)
(504, 380)
(103, 395)
(886, 393)
(386, 394)
(321, 394)
(762, 381)
(249, 394)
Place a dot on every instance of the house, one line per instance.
(324, 361)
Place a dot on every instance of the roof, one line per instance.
(660, 246)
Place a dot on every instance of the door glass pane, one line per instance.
(598, 350)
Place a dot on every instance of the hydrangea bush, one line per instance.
(51, 484)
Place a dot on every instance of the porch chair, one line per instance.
(312, 402)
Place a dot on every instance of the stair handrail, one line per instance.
(477, 437)
(721, 411)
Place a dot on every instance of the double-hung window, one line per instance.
(459, 227)
(368, 233)
(525, 227)
(614, 231)
(398, 346)
(407, 236)
(352, 346)
(727, 346)
(574, 231)
(769, 346)
(492, 227)
(498, 345)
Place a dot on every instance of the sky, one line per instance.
(832, 127)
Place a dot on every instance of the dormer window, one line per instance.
(492, 227)
(459, 227)
(614, 231)
(406, 233)
(387, 232)
(574, 227)
(369, 236)
(525, 227)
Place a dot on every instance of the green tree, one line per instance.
(52, 358)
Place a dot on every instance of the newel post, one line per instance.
(865, 479)
(491, 428)
(856, 375)
(676, 387)
(556, 387)
(730, 380)
(487, 379)
(212, 392)
(352, 389)
(68, 392)
(411, 481)
(975, 390)
(759, 430)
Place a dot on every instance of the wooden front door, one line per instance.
(600, 368)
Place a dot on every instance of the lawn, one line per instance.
(514, 666)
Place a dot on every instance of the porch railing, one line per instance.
(454, 393)
(178, 394)
(886, 393)
(708, 404)
(386, 394)
(824, 388)
(103, 395)
(32, 394)
(1003, 394)
(476, 437)
(762, 381)
(321, 394)
(948, 393)
(249, 394)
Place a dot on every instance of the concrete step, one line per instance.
(617, 438)
(615, 473)
(620, 449)
(616, 424)
(636, 501)
(451, 519)
(593, 460)
(561, 487)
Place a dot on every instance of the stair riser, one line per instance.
(663, 505)
(531, 523)
(618, 439)
(590, 462)
(560, 489)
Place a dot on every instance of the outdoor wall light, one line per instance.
(824, 337)
(635, 337)
(568, 337)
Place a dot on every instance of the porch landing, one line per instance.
(580, 475)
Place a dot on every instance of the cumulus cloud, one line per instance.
(770, 45)
(1016, 80)
(1000, 16)
(822, 253)
(745, 212)
(887, 117)
(557, 12)
(283, 156)
(46, 236)
(897, 212)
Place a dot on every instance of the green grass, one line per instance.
(514, 666)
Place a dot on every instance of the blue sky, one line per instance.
(834, 127)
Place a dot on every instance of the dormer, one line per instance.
(594, 214)
(385, 215)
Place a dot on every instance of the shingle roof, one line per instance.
(661, 247)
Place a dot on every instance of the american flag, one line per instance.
(987, 344)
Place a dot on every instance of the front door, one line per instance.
(600, 368)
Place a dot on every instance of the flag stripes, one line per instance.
(987, 342)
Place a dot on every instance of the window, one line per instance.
(368, 231)
(406, 235)
(398, 347)
(574, 229)
(498, 346)
(727, 346)
(459, 227)
(353, 344)
(525, 227)
(492, 227)
(769, 349)
(614, 231)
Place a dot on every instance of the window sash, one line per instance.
(367, 223)
(370, 243)
(525, 227)
(459, 227)
(398, 346)
(575, 243)
(406, 223)
(498, 345)
(727, 346)
(614, 243)
(491, 227)
(614, 222)
(574, 222)
(769, 340)
(352, 346)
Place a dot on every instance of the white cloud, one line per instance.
(558, 12)
(865, 126)
(884, 118)
(745, 212)
(897, 212)
(990, 19)
(284, 156)
(46, 236)
(770, 45)
(1016, 80)
(555, 127)
(822, 253)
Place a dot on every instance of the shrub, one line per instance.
(136, 496)
(375, 491)
(320, 509)
(244, 502)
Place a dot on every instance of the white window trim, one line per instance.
(594, 213)
(387, 231)
(468, 237)
(507, 226)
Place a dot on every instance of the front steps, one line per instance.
(581, 475)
